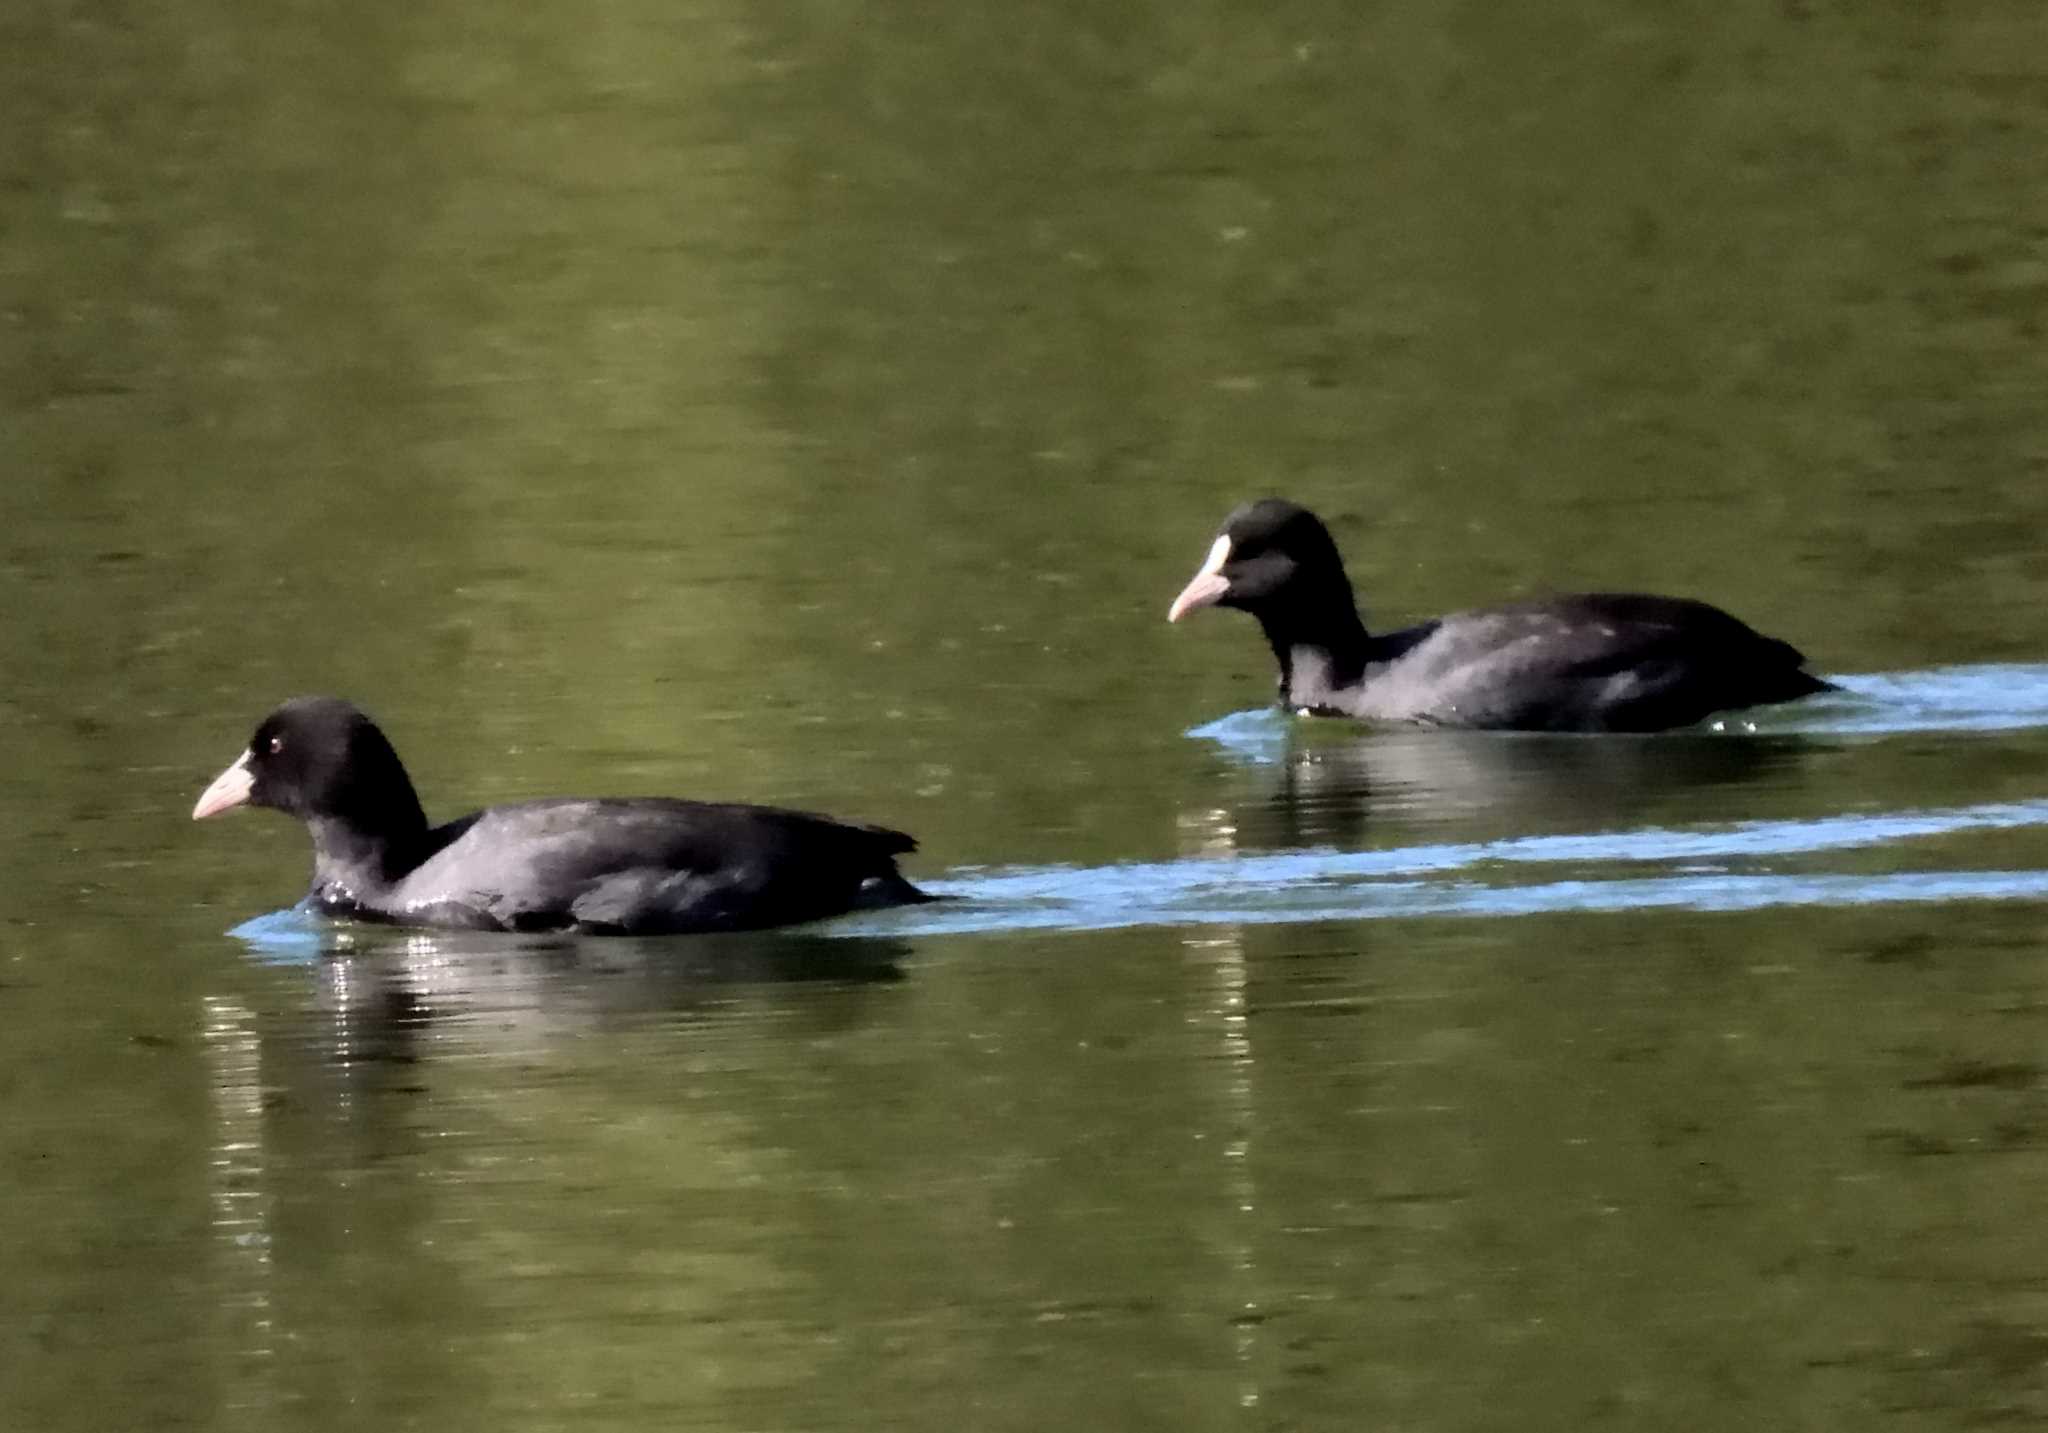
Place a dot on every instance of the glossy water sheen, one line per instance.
(818, 404)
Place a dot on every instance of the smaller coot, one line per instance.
(633, 866)
(1585, 662)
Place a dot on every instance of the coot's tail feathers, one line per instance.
(1788, 680)
(890, 889)
(1784, 687)
(886, 838)
(1792, 683)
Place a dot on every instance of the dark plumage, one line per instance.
(637, 866)
(1585, 662)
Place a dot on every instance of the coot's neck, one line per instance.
(357, 860)
(1321, 652)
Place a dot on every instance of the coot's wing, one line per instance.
(651, 865)
(1594, 661)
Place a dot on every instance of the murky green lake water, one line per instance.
(819, 404)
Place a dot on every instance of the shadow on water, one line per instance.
(1338, 788)
(330, 1097)
(383, 988)
(675, 964)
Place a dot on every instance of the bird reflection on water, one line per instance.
(1358, 790)
(388, 992)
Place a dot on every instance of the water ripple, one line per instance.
(1981, 698)
(1475, 878)
(1320, 884)
(1086, 909)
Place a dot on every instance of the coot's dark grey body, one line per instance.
(627, 866)
(1587, 662)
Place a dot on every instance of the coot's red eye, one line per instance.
(276, 745)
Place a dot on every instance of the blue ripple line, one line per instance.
(1395, 900)
(1320, 884)
(1983, 697)
(1753, 838)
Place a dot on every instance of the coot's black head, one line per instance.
(319, 757)
(1275, 560)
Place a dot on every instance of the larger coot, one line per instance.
(1586, 662)
(632, 866)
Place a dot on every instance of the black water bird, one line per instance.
(631, 866)
(1583, 662)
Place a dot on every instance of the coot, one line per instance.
(1585, 662)
(635, 866)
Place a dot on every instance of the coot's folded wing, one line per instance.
(1592, 661)
(651, 864)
